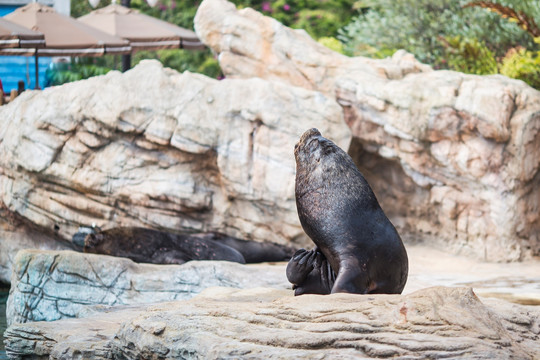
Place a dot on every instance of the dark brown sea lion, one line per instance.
(159, 247)
(340, 213)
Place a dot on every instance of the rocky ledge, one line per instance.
(53, 285)
(259, 323)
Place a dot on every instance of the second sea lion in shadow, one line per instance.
(358, 249)
(144, 245)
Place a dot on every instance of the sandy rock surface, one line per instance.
(263, 323)
(52, 285)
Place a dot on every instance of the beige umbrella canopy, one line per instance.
(65, 36)
(143, 32)
(13, 35)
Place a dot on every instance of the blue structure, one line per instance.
(16, 68)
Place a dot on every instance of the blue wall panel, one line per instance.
(15, 68)
(6, 9)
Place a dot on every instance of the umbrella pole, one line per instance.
(37, 71)
(126, 62)
(126, 59)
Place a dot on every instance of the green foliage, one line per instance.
(470, 36)
(419, 26)
(469, 56)
(64, 72)
(332, 43)
(183, 60)
(320, 18)
(524, 65)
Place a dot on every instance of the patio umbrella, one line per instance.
(64, 36)
(143, 32)
(13, 35)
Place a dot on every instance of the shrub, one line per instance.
(332, 43)
(420, 27)
(522, 64)
(469, 56)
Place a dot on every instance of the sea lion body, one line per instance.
(159, 247)
(340, 213)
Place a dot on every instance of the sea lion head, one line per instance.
(318, 157)
(321, 165)
(312, 148)
(79, 238)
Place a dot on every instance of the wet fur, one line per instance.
(340, 213)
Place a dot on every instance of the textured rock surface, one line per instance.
(454, 158)
(187, 153)
(52, 285)
(269, 323)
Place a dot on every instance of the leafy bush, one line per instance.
(469, 56)
(60, 73)
(181, 60)
(421, 27)
(524, 65)
(332, 43)
(318, 17)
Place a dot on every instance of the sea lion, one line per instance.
(159, 247)
(340, 213)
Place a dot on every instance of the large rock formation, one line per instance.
(155, 148)
(454, 158)
(268, 323)
(52, 285)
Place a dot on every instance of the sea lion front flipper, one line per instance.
(300, 266)
(310, 273)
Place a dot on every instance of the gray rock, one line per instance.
(266, 323)
(453, 158)
(52, 285)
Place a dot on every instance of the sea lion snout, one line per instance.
(308, 144)
(306, 136)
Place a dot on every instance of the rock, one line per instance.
(158, 149)
(453, 158)
(268, 323)
(250, 44)
(52, 285)
(15, 235)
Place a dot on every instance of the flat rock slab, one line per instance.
(515, 282)
(270, 323)
(53, 285)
